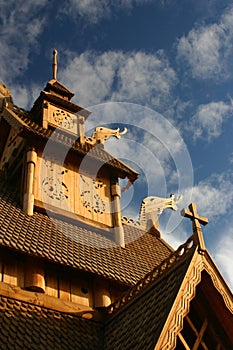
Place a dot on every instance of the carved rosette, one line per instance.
(63, 119)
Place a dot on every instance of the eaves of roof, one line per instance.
(27, 326)
(56, 86)
(19, 119)
(58, 101)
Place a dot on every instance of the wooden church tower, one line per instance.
(75, 273)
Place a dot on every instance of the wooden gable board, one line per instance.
(187, 291)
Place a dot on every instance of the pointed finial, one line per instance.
(55, 64)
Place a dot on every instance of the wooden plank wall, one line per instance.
(64, 284)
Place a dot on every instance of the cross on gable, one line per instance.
(196, 220)
(194, 216)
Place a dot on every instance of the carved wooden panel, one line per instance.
(64, 188)
(50, 185)
(11, 149)
(94, 198)
(60, 118)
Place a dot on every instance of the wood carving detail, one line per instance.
(12, 148)
(53, 184)
(62, 187)
(176, 323)
(63, 119)
(188, 293)
(90, 198)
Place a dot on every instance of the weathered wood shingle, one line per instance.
(78, 245)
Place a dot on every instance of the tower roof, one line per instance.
(57, 88)
(54, 86)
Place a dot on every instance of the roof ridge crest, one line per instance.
(151, 276)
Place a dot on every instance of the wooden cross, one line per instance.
(196, 220)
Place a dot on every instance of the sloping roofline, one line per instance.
(19, 120)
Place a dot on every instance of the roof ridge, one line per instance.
(153, 275)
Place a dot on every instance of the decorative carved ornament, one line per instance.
(12, 149)
(102, 134)
(64, 119)
(186, 294)
(180, 308)
(60, 118)
(53, 184)
(155, 206)
(90, 198)
(130, 221)
(152, 276)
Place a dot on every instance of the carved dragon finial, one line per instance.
(152, 207)
(102, 134)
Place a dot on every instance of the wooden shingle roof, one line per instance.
(151, 314)
(27, 326)
(163, 282)
(137, 324)
(77, 245)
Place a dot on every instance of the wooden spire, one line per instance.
(55, 64)
(197, 220)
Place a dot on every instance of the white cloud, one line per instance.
(206, 49)
(223, 255)
(201, 50)
(213, 196)
(25, 96)
(115, 75)
(145, 78)
(231, 158)
(91, 76)
(22, 23)
(92, 9)
(209, 118)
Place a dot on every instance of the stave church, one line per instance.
(74, 272)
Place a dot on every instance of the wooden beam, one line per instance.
(183, 341)
(42, 300)
(200, 335)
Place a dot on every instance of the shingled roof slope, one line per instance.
(55, 85)
(20, 120)
(26, 326)
(138, 324)
(77, 245)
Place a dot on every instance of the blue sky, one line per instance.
(166, 61)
